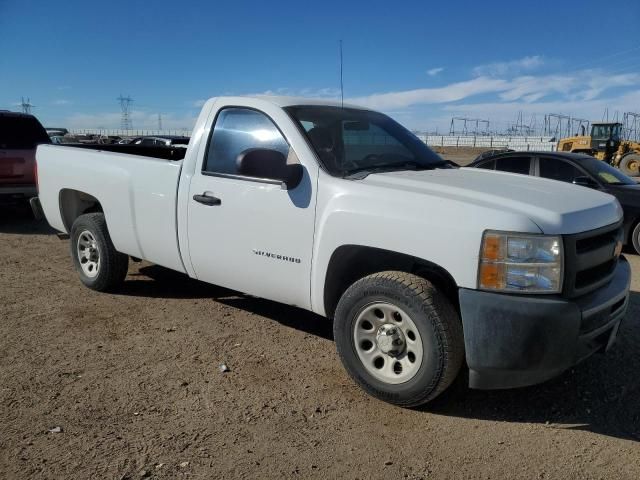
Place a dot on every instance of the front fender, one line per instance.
(444, 232)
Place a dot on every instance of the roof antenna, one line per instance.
(341, 84)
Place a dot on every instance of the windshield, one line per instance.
(605, 172)
(606, 131)
(349, 140)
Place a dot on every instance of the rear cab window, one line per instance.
(21, 132)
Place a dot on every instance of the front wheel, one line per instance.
(630, 164)
(399, 338)
(100, 266)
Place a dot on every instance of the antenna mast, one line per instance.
(341, 83)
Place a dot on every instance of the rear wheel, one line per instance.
(399, 338)
(100, 266)
(630, 164)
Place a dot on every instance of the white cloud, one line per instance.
(598, 83)
(511, 67)
(327, 92)
(449, 93)
(529, 89)
(434, 71)
(582, 93)
(60, 102)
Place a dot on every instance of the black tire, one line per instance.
(635, 238)
(113, 265)
(629, 164)
(438, 324)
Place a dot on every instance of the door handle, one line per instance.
(207, 200)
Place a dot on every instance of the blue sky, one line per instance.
(421, 62)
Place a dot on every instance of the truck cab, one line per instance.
(606, 137)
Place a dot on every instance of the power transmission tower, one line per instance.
(125, 119)
(557, 125)
(477, 122)
(520, 129)
(26, 105)
(159, 121)
(578, 126)
(631, 126)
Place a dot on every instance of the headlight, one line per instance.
(520, 263)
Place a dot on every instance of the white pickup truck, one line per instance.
(422, 266)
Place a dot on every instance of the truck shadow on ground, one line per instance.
(600, 395)
(167, 283)
(17, 218)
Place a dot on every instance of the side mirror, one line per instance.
(269, 165)
(585, 182)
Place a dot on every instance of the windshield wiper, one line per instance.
(362, 172)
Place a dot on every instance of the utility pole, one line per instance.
(125, 118)
(159, 121)
(26, 105)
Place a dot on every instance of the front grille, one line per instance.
(590, 259)
(587, 244)
(594, 274)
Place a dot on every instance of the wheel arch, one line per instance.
(632, 226)
(349, 263)
(74, 203)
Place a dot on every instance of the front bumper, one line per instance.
(519, 340)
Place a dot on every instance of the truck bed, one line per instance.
(166, 153)
(137, 193)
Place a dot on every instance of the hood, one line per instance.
(556, 207)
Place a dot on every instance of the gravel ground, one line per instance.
(132, 380)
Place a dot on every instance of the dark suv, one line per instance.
(20, 134)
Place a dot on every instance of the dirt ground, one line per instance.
(460, 155)
(133, 382)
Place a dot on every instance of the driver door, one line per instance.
(250, 234)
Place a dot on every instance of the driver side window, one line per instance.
(237, 130)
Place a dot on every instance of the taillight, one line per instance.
(35, 175)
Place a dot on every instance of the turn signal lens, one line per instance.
(492, 248)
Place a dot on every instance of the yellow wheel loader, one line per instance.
(605, 143)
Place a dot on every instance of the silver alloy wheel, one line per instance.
(388, 343)
(88, 254)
